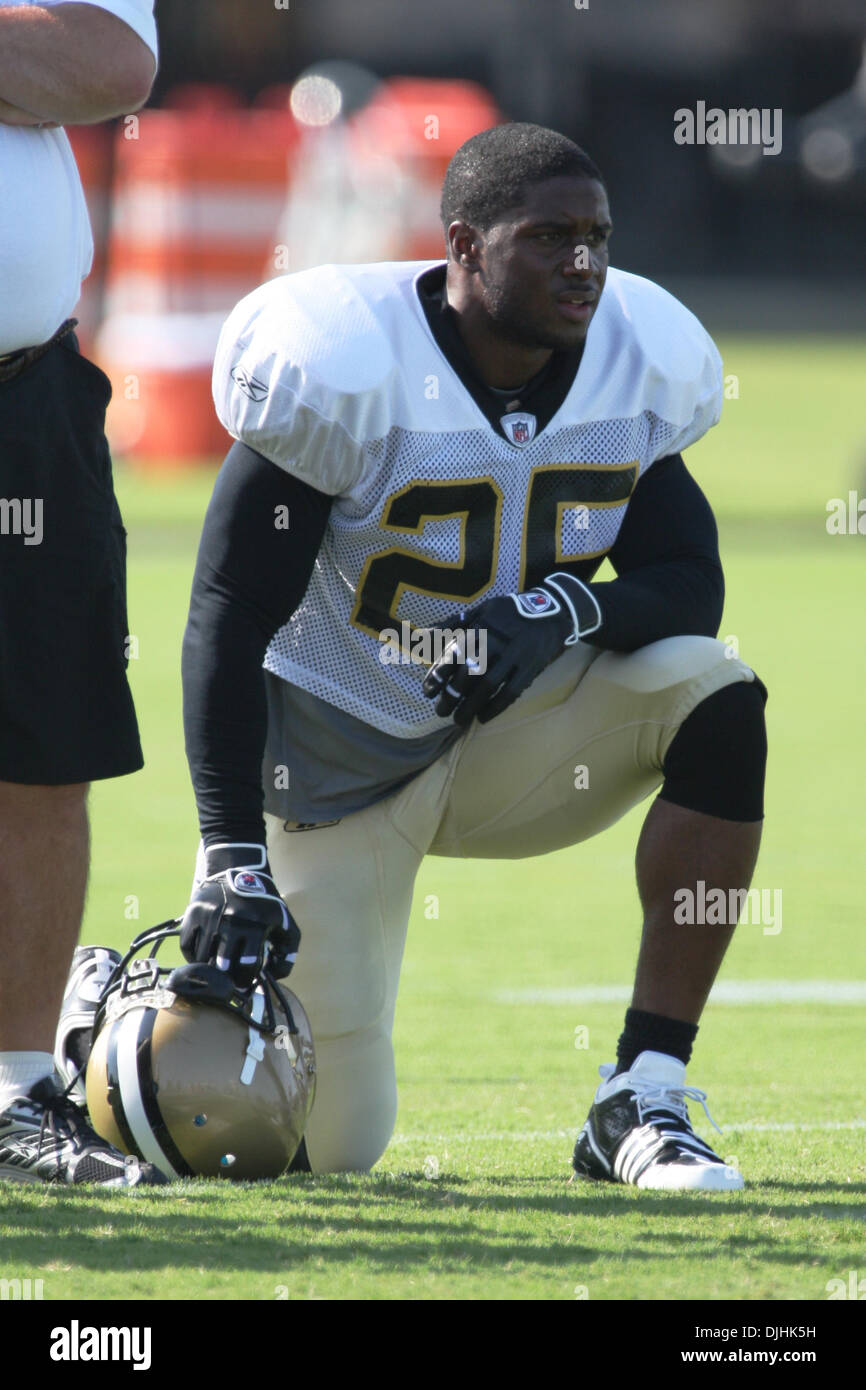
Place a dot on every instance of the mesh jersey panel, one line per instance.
(568, 477)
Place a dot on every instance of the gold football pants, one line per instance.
(582, 746)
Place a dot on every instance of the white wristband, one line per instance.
(591, 622)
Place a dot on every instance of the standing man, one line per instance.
(66, 713)
(457, 446)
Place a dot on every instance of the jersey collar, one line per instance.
(541, 397)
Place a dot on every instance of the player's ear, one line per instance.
(465, 245)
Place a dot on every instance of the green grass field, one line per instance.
(472, 1199)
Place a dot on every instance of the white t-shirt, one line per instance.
(46, 247)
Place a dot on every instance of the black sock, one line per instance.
(646, 1032)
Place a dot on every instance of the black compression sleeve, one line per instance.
(250, 575)
(666, 557)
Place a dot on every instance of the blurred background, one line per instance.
(281, 137)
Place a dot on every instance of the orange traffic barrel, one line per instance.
(419, 124)
(196, 206)
(368, 188)
(202, 96)
(92, 146)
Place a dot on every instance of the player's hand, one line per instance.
(237, 920)
(508, 641)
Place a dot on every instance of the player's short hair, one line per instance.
(491, 172)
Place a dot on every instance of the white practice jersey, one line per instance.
(334, 374)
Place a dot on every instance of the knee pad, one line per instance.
(717, 760)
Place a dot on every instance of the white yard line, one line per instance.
(725, 992)
(533, 1135)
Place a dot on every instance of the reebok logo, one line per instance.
(77, 1343)
(256, 390)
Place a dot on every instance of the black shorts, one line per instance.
(66, 711)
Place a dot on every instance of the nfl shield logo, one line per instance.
(519, 427)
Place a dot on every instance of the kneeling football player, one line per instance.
(455, 447)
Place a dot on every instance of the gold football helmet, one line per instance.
(194, 1075)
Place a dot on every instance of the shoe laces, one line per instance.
(661, 1097)
(656, 1095)
(62, 1119)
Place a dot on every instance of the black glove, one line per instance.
(237, 920)
(516, 636)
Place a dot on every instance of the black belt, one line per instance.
(16, 362)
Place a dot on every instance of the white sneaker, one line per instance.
(45, 1137)
(91, 969)
(638, 1132)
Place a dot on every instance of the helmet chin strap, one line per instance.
(256, 1046)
